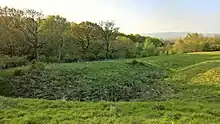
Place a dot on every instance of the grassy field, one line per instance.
(183, 88)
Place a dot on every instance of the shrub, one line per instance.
(135, 62)
(143, 54)
(51, 59)
(171, 52)
(161, 53)
(38, 66)
(70, 60)
(89, 57)
(130, 54)
(18, 72)
(100, 56)
(11, 62)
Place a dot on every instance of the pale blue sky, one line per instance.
(135, 16)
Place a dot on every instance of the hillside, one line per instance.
(166, 35)
(174, 35)
(181, 88)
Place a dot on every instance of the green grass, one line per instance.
(189, 83)
(210, 76)
(10, 72)
(43, 111)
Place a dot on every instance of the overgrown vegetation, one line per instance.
(11, 62)
(108, 81)
(185, 91)
(36, 61)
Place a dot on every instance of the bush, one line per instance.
(11, 62)
(149, 52)
(18, 72)
(69, 59)
(38, 66)
(50, 59)
(161, 53)
(135, 62)
(89, 57)
(100, 56)
(143, 54)
(171, 52)
(130, 54)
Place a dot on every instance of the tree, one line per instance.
(108, 33)
(25, 32)
(149, 49)
(124, 47)
(11, 38)
(30, 26)
(157, 42)
(193, 42)
(56, 29)
(137, 38)
(84, 34)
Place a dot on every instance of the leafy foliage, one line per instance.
(18, 72)
(93, 82)
(10, 62)
(28, 33)
(195, 42)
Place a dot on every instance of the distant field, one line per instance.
(182, 88)
(211, 53)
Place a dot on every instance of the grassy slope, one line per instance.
(193, 102)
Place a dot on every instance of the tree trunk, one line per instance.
(36, 53)
(61, 48)
(107, 50)
(59, 53)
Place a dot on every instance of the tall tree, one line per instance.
(137, 38)
(108, 33)
(157, 42)
(10, 36)
(56, 29)
(30, 26)
(84, 34)
(124, 47)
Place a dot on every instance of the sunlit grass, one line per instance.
(196, 98)
(22, 111)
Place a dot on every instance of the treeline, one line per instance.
(53, 38)
(28, 33)
(195, 42)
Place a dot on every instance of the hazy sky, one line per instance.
(134, 16)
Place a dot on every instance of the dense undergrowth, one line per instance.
(182, 88)
(7, 62)
(108, 81)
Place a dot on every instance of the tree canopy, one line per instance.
(30, 33)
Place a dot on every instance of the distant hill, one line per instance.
(174, 35)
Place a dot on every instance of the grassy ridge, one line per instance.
(195, 97)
